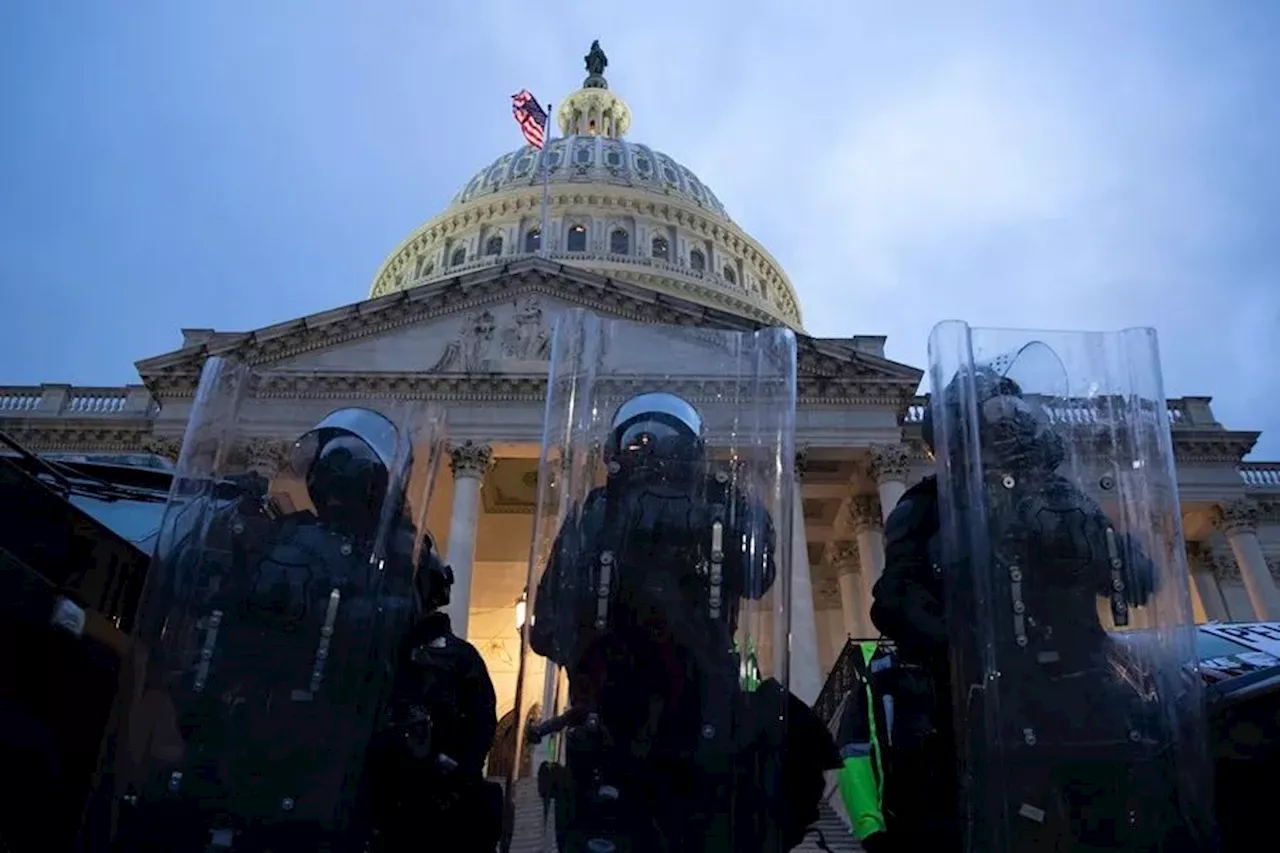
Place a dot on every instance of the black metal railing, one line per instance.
(839, 680)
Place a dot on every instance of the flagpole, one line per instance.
(544, 237)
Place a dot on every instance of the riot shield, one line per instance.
(1078, 707)
(281, 585)
(660, 556)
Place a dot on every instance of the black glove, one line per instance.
(877, 842)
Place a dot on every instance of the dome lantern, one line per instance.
(593, 110)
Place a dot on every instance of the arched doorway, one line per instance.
(502, 755)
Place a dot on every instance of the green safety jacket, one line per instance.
(863, 724)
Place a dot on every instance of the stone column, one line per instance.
(844, 560)
(1204, 582)
(868, 527)
(889, 466)
(1238, 521)
(469, 462)
(806, 670)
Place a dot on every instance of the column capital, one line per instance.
(267, 456)
(1226, 569)
(1238, 516)
(167, 446)
(1200, 558)
(889, 463)
(470, 459)
(845, 558)
(864, 512)
(801, 461)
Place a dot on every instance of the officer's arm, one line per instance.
(1138, 571)
(760, 573)
(558, 587)
(479, 704)
(905, 606)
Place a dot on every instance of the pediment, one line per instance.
(498, 323)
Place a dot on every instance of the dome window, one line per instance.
(729, 275)
(642, 165)
(458, 258)
(532, 240)
(614, 158)
(671, 176)
(620, 242)
(493, 246)
(577, 238)
(660, 248)
(697, 260)
(583, 156)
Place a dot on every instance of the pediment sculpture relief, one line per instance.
(485, 346)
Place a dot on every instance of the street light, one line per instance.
(522, 607)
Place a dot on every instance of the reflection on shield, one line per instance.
(280, 588)
(1071, 738)
(661, 545)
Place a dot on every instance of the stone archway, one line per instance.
(502, 755)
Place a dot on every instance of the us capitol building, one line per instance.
(461, 312)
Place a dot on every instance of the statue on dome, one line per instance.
(596, 60)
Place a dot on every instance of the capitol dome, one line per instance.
(614, 207)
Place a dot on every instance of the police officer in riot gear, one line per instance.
(284, 643)
(665, 750)
(1081, 777)
(428, 759)
(920, 790)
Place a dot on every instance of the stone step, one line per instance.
(529, 835)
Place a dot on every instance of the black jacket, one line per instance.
(445, 676)
(909, 598)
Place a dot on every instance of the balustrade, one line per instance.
(1072, 412)
(75, 402)
(1260, 475)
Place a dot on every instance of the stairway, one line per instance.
(527, 837)
(836, 834)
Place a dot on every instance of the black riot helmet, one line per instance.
(655, 433)
(345, 461)
(1013, 431)
(432, 578)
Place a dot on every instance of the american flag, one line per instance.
(531, 117)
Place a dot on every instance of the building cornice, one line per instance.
(830, 372)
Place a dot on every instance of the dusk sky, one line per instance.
(1094, 164)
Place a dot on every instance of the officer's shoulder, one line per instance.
(917, 506)
(469, 651)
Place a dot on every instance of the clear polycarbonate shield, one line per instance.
(656, 647)
(1078, 706)
(279, 590)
